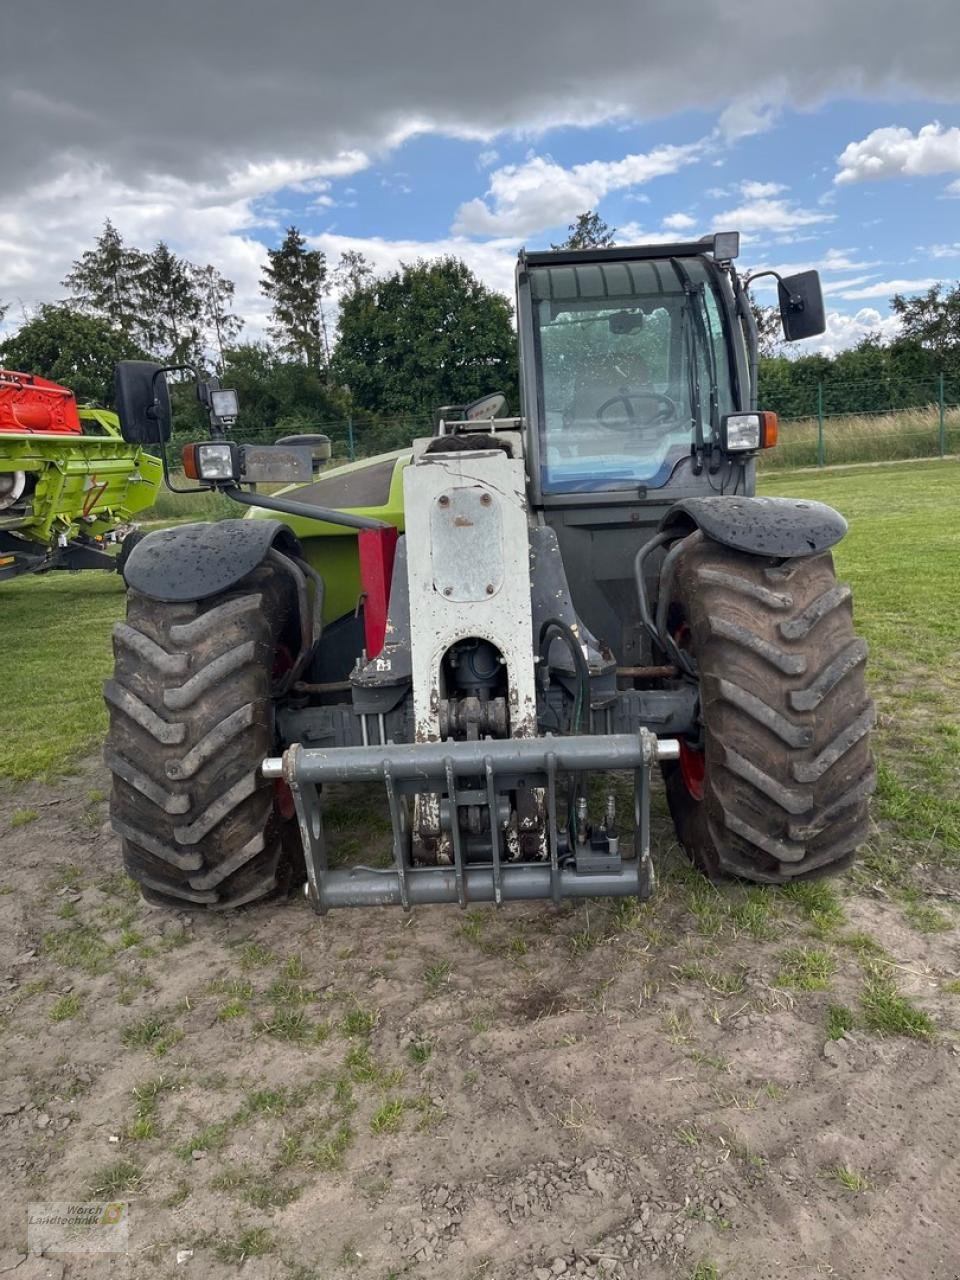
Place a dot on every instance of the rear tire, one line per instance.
(190, 724)
(785, 773)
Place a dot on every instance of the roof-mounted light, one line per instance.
(726, 246)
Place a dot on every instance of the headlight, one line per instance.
(740, 432)
(216, 460)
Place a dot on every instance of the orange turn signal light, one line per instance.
(189, 461)
(769, 430)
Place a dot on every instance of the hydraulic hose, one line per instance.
(555, 626)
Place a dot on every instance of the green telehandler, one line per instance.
(482, 622)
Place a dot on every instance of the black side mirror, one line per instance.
(801, 306)
(142, 401)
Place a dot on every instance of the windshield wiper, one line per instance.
(693, 374)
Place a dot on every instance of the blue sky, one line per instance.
(828, 135)
(869, 236)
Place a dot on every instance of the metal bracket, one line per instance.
(499, 765)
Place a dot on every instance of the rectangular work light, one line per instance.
(741, 432)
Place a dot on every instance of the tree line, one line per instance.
(379, 361)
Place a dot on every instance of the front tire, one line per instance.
(190, 724)
(778, 787)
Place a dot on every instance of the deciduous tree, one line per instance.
(932, 319)
(77, 350)
(429, 334)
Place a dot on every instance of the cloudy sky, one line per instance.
(828, 133)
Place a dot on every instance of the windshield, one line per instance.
(630, 356)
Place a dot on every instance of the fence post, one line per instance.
(350, 435)
(820, 449)
(943, 439)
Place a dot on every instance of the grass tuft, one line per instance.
(849, 1178)
(81, 946)
(435, 975)
(291, 1025)
(358, 1021)
(723, 984)
(819, 903)
(806, 969)
(66, 1007)
(886, 1010)
(705, 1270)
(123, 1176)
(419, 1052)
(388, 1117)
(145, 1033)
(839, 1020)
(255, 1242)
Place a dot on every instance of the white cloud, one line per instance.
(525, 198)
(832, 260)
(895, 151)
(761, 190)
(843, 330)
(634, 233)
(842, 287)
(769, 215)
(945, 250)
(299, 175)
(57, 220)
(679, 222)
(493, 261)
(886, 288)
(487, 157)
(840, 260)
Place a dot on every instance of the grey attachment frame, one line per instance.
(501, 764)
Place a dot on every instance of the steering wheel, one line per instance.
(665, 410)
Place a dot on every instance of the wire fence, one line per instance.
(826, 422)
(853, 420)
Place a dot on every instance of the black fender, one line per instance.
(196, 561)
(780, 527)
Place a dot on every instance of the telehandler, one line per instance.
(484, 621)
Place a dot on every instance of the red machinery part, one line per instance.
(377, 550)
(30, 403)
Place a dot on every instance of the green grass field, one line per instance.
(902, 557)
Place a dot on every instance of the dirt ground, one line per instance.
(604, 1091)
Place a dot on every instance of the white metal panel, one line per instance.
(471, 482)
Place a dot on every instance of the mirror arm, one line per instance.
(795, 302)
(151, 412)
